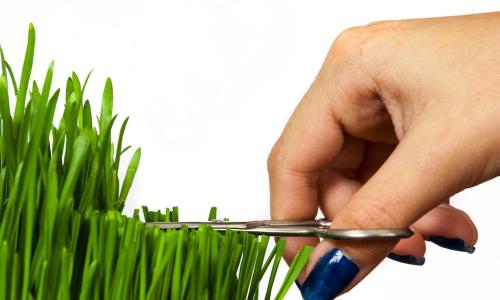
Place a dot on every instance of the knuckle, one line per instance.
(356, 43)
(346, 41)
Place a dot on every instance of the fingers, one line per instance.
(335, 192)
(445, 226)
(449, 227)
(350, 155)
(443, 223)
(314, 136)
(417, 175)
(449, 222)
(309, 142)
(407, 185)
(410, 251)
(425, 167)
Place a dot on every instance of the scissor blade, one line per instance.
(321, 223)
(217, 225)
(318, 228)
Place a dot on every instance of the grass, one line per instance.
(62, 233)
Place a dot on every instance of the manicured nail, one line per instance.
(452, 244)
(330, 276)
(407, 259)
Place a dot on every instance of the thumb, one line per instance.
(426, 166)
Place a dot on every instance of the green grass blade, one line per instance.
(248, 265)
(12, 77)
(280, 247)
(77, 88)
(48, 82)
(79, 153)
(179, 261)
(49, 117)
(268, 261)
(14, 276)
(119, 145)
(5, 258)
(2, 62)
(86, 81)
(7, 131)
(43, 281)
(88, 279)
(263, 243)
(145, 212)
(174, 217)
(49, 209)
(25, 77)
(29, 223)
(69, 89)
(3, 179)
(129, 177)
(87, 116)
(107, 104)
(298, 264)
(213, 214)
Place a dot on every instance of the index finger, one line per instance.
(310, 140)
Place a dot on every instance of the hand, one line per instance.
(402, 115)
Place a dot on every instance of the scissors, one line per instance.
(310, 228)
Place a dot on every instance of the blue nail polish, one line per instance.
(452, 244)
(330, 276)
(407, 259)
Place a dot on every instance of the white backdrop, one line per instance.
(209, 86)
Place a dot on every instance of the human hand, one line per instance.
(402, 115)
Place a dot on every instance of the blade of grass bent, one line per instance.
(12, 77)
(2, 62)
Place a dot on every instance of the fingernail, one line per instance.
(407, 259)
(452, 244)
(331, 274)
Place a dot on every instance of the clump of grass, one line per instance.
(62, 234)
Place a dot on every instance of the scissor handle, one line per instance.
(365, 234)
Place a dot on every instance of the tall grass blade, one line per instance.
(129, 177)
(25, 77)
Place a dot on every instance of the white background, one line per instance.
(210, 84)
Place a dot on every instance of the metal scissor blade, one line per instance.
(217, 225)
(319, 228)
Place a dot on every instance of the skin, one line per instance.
(401, 116)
